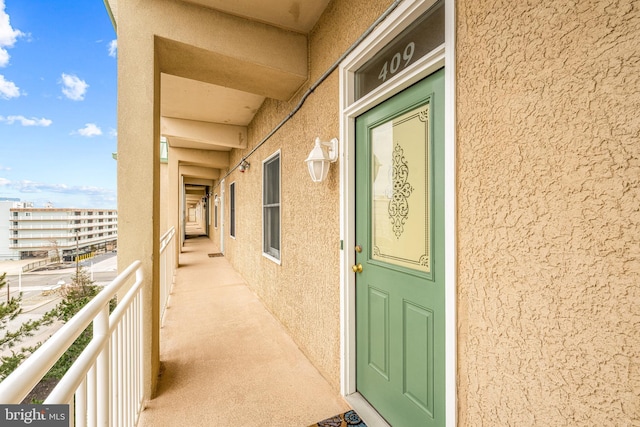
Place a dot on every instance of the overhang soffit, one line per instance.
(205, 158)
(217, 134)
(199, 172)
(245, 73)
(199, 101)
(201, 165)
(229, 35)
(297, 15)
(197, 181)
(194, 190)
(198, 188)
(178, 142)
(204, 44)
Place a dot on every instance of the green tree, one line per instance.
(9, 311)
(74, 297)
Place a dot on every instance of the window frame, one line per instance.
(215, 211)
(271, 253)
(232, 210)
(164, 150)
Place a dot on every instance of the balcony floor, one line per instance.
(225, 360)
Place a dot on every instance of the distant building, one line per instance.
(27, 232)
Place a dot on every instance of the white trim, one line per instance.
(232, 214)
(222, 184)
(216, 211)
(278, 154)
(366, 412)
(183, 212)
(450, 217)
(406, 13)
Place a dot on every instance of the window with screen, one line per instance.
(271, 206)
(232, 209)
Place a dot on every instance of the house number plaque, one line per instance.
(420, 38)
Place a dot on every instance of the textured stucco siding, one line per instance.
(303, 292)
(548, 129)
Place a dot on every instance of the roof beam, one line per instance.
(205, 158)
(204, 132)
(204, 44)
(198, 181)
(199, 172)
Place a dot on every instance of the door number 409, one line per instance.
(391, 67)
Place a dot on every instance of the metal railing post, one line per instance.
(101, 332)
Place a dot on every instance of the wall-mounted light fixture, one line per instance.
(216, 200)
(322, 155)
(244, 165)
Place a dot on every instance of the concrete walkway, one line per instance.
(226, 360)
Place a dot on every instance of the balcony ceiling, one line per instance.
(213, 85)
(296, 15)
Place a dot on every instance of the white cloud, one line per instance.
(8, 89)
(26, 186)
(24, 121)
(113, 48)
(78, 195)
(8, 35)
(89, 130)
(5, 168)
(74, 87)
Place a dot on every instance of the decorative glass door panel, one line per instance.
(400, 184)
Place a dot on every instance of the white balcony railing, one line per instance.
(39, 216)
(24, 243)
(167, 267)
(41, 227)
(104, 385)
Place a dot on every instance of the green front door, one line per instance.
(400, 249)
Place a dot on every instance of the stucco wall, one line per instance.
(548, 212)
(304, 291)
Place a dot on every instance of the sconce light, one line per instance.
(244, 165)
(216, 201)
(323, 154)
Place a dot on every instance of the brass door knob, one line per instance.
(357, 268)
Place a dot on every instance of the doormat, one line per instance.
(214, 255)
(349, 418)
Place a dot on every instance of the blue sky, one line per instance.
(58, 103)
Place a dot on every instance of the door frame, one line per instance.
(183, 212)
(221, 221)
(444, 56)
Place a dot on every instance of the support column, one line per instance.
(174, 203)
(139, 172)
